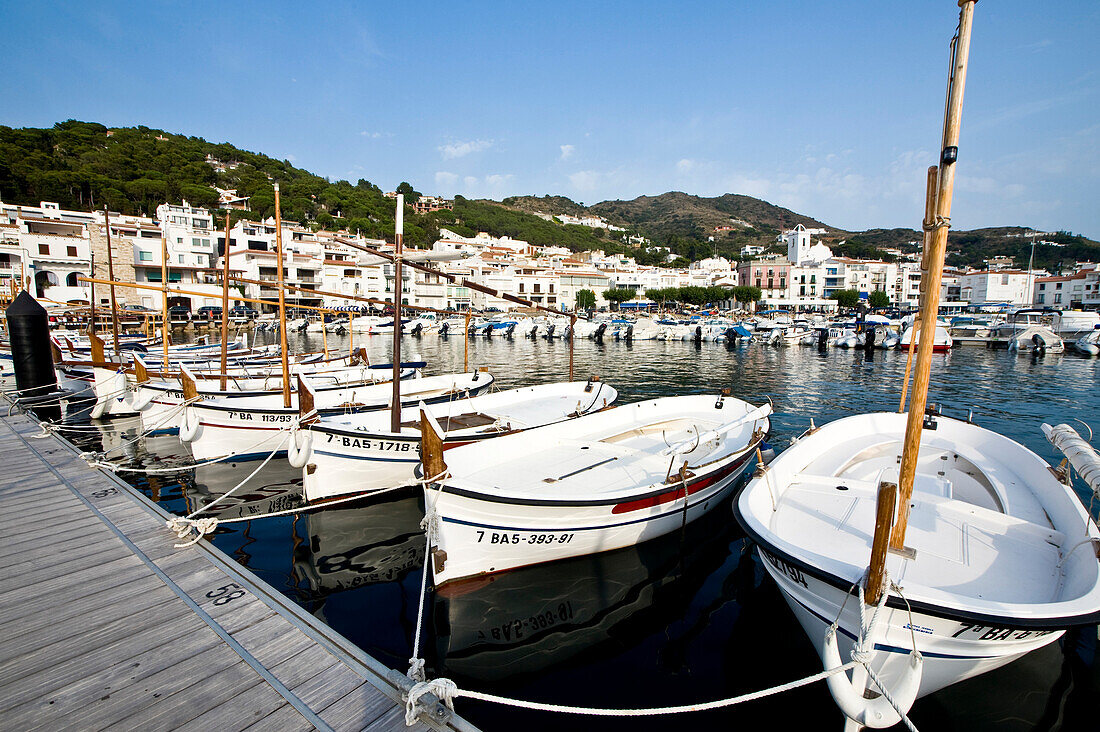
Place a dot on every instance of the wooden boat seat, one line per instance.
(457, 421)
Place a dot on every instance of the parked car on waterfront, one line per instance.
(208, 312)
(241, 314)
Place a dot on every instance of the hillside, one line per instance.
(85, 165)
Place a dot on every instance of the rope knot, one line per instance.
(181, 527)
(863, 656)
(416, 669)
(444, 689)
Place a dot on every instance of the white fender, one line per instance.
(878, 712)
(299, 456)
(189, 431)
(141, 399)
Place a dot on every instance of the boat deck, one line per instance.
(104, 623)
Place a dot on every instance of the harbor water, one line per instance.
(687, 618)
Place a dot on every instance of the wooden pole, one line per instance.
(91, 298)
(164, 290)
(887, 495)
(572, 337)
(929, 226)
(324, 335)
(466, 344)
(282, 300)
(930, 301)
(225, 304)
(398, 288)
(111, 275)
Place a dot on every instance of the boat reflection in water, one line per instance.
(528, 620)
(360, 543)
(276, 487)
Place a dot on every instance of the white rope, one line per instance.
(448, 691)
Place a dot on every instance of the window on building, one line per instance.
(145, 256)
(1041, 299)
(551, 288)
(802, 290)
(44, 249)
(782, 283)
(521, 287)
(538, 287)
(813, 279)
(771, 283)
(1004, 279)
(1058, 286)
(758, 282)
(1042, 285)
(71, 251)
(1057, 298)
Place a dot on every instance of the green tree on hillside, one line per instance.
(846, 298)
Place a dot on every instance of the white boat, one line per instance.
(1088, 344)
(250, 427)
(942, 343)
(1000, 563)
(358, 452)
(922, 549)
(592, 484)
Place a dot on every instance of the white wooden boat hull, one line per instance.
(478, 536)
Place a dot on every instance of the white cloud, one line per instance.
(685, 166)
(585, 180)
(462, 149)
(469, 181)
(567, 152)
(443, 179)
(497, 179)
(372, 135)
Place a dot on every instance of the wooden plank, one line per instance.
(116, 678)
(17, 574)
(172, 711)
(238, 713)
(304, 665)
(272, 641)
(284, 719)
(357, 709)
(48, 590)
(328, 687)
(19, 687)
(41, 524)
(394, 721)
(90, 534)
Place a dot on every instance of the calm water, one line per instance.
(683, 619)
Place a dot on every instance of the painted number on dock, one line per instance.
(226, 594)
(105, 493)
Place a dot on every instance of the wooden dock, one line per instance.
(103, 623)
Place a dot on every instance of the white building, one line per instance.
(800, 246)
(46, 248)
(1001, 286)
(1065, 293)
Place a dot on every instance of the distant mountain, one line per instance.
(85, 165)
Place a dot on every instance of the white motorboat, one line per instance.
(1035, 339)
(358, 452)
(1000, 559)
(592, 484)
(1088, 344)
(250, 427)
(942, 343)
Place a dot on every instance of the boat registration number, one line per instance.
(968, 631)
(263, 417)
(497, 537)
(380, 445)
(517, 628)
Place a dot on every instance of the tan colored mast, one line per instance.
(111, 275)
(164, 292)
(282, 300)
(930, 302)
(225, 305)
(398, 288)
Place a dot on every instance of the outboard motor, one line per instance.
(598, 334)
(443, 328)
(509, 330)
(549, 331)
(628, 332)
(1038, 343)
(822, 339)
(732, 334)
(567, 333)
(418, 329)
(473, 329)
(869, 342)
(697, 335)
(533, 333)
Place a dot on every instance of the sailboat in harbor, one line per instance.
(925, 549)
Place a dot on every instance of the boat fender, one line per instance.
(189, 425)
(141, 400)
(299, 456)
(878, 712)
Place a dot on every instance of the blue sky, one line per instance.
(832, 109)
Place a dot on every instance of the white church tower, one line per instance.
(798, 245)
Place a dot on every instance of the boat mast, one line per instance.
(930, 302)
(282, 300)
(111, 275)
(399, 227)
(164, 292)
(225, 305)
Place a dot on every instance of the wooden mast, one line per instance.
(111, 275)
(282, 300)
(930, 302)
(225, 305)
(399, 227)
(164, 291)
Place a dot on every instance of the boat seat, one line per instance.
(457, 421)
